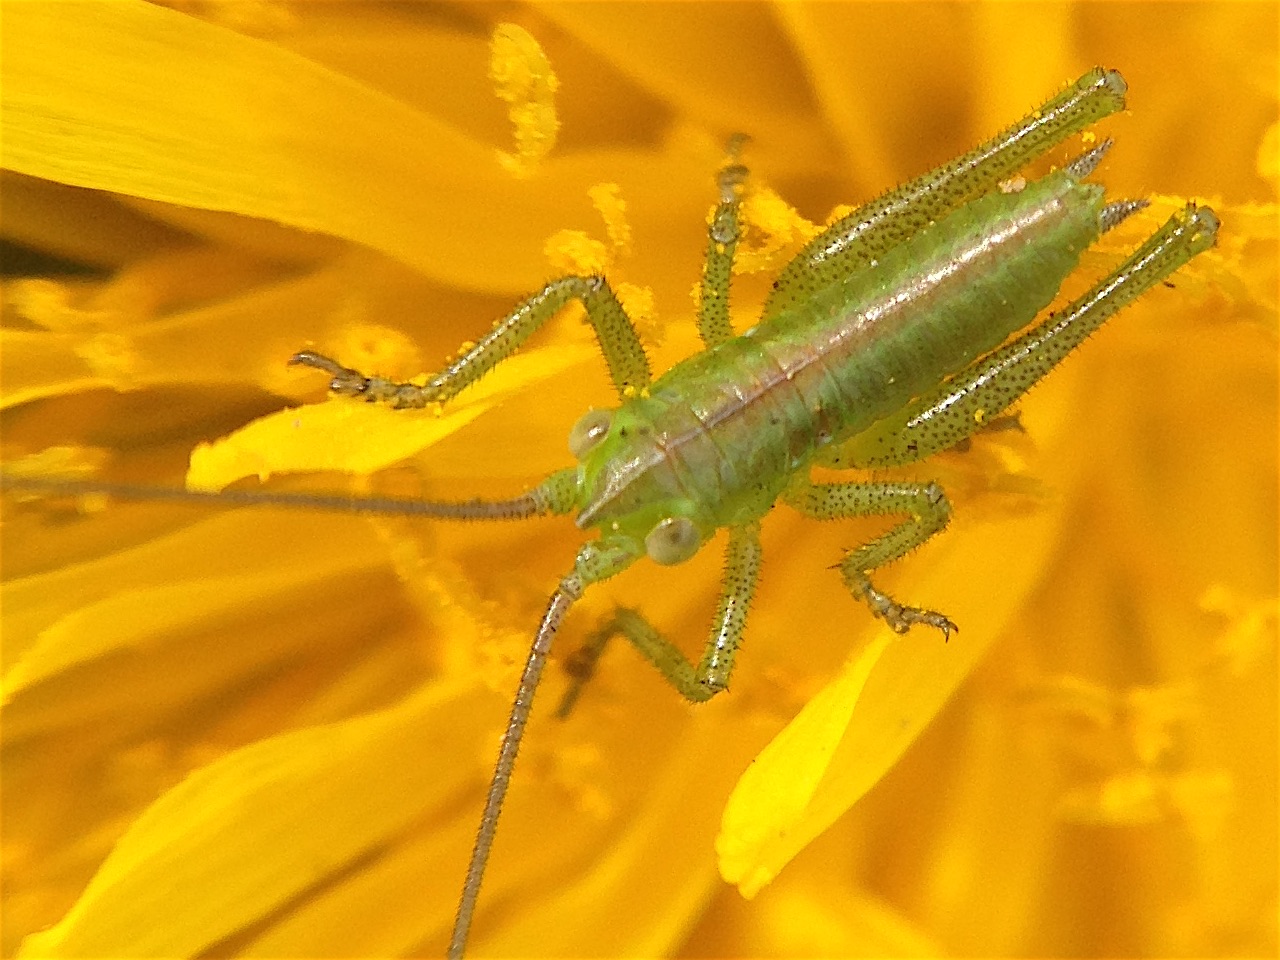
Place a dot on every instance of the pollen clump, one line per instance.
(573, 251)
(1155, 713)
(50, 304)
(522, 76)
(607, 199)
(838, 213)
(576, 251)
(1249, 630)
(775, 230)
(110, 356)
(639, 303)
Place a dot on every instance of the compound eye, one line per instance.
(674, 540)
(591, 428)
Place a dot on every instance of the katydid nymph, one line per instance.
(884, 341)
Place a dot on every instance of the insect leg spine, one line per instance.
(1086, 163)
(1115, 213)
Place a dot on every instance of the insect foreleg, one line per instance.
(711, 675)
(853, 241)
(959, 408)
(929, 511)
(623, 352)
(722, 243)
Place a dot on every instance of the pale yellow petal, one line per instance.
(909, 683)
(773, 793)
(361, 438)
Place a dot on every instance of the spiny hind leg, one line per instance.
(623, 352)
(723, 234)
(711, 675)
(976, 396)
(853, 241)
(929, 511)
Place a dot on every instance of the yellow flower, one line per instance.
(262, 731)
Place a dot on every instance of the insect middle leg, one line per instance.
(929, 512)
(623, 353)
(711, 675)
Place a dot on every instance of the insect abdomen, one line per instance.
(933, 305)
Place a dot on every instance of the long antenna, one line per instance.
(570, 589)
(530, 504)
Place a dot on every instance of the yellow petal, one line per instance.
(770, 798)
(860, 725)
(157, 601)
(239, 838)
(147, 102)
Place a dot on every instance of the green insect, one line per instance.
(879, 345)
(876, 347)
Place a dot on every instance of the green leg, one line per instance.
(979, 394)
(623, 352)
(872, 229)
(929, 511)
(711, 675)
(722, 244)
